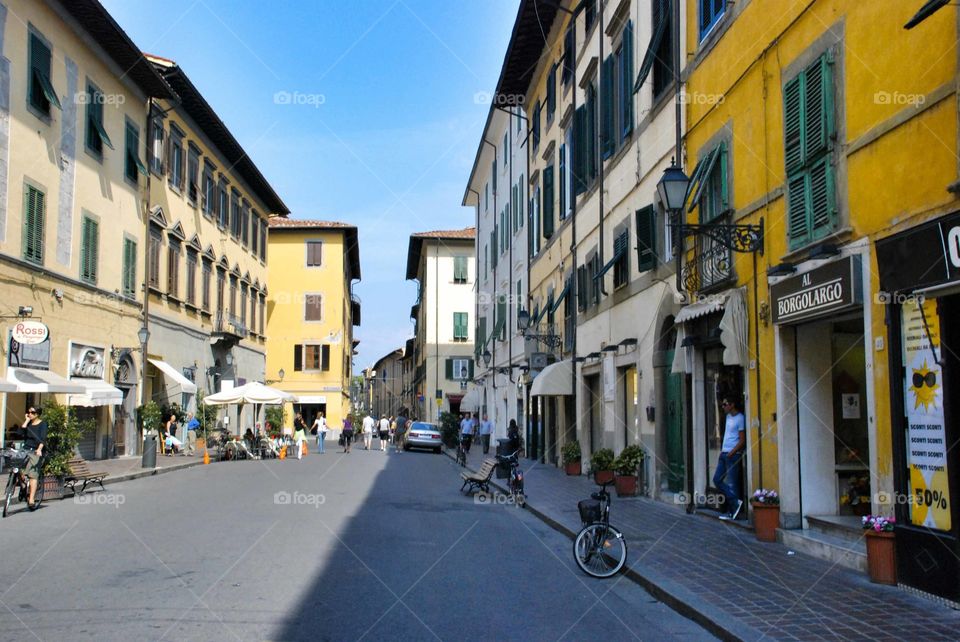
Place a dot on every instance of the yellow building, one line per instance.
(72, 208)
(206, 259)
(311, 312)
(835, 129)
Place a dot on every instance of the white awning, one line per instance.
(7, 387)
(185, 384)
(699, 309)
(98, 393)
(682, 361)
(472, 400)
(733, 330)
(555, 380)
(42, 381)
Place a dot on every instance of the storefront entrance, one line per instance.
(720, 382)
(676, 469)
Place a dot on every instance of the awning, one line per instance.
(185, 384)
(555, 380)
(682, 361)
(7, 387)
(733, 330)
(43, 381)
(98, 393)
(699, 309)
(471, 401)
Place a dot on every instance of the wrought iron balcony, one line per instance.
(229, 328)
(710, 265)
(712, 261)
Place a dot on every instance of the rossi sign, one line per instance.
(821, 291)
(30, 332)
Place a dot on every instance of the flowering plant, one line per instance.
(766, 497)
(878, 523)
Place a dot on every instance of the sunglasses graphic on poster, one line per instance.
(923, 403)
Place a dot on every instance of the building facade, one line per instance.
(442, 263)
(497, 189)
(72, 98)
(205, 254)
(386, 384)
(311, 313)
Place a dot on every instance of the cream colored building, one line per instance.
(206, 255)
(442, 263)
(311, 313)
(73, 99)
(386, 383)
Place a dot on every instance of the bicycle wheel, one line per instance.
(600, 550)
(37, 496)
(8, 495)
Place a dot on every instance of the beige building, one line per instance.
(386, 383)
(311, 313)
(442, 263)
(206, 255)
(73, 102)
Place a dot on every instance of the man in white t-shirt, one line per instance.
(384, 432)
(367, 431)
(727, 476)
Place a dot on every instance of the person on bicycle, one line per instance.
(466, 432)
(35, 439)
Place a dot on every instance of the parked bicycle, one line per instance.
(515, 479)
(17, 480)
(461, 452)
(599, 549)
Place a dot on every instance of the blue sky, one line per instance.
(383, 119)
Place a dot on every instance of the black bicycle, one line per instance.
(461, 452)
(515, 479)
(17, 481)
(600, 549)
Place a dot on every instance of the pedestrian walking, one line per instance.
(173, 445)
(299, 434)
(486, 429)
(368, 424)
(727, 476)
(320, 430)
(398, 433)
(347, 434)
(192, 425)
(384, 428)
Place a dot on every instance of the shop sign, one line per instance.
(924, 256)
(30, 332)
(923, 401)
(823, 290)
(86, 362)
(29, 355)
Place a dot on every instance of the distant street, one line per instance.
(339, 547)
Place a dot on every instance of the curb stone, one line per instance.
(671, 593)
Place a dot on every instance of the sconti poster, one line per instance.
(923, 401)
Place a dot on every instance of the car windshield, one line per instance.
(423, 426)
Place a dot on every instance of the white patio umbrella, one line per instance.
(253, 392)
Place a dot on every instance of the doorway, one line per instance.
(676, 467)
(594, 409)
(720, 382)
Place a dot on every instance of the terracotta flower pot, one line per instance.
(766, 520)
(572, 467)
(881, 557)
(603, 476)
(626, 485)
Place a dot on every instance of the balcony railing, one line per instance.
(228, 324)
(711, 265)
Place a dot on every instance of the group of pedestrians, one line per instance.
(168, 433)
(470, 426)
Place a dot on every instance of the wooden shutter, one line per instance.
(793, 124)
(325, 357)
(822, 205)
(607, 107)
(548, 202)
(297, 358)
(33, 222)
(646, 238)
(818, 107)
(797, 229)
(579, 149)
(626, 80)
(89, 240)
(448, 368)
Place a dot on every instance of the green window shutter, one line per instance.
(493, 175)
(818, 108)
(548, 202)
(793, 123)
(563, 181)
(822, 203)
(646, 238)
(591, 134)
(580, 147)
(469, 368)
(34, 206)
(89, 240)
(626, 79)
(513, 208)
(606, 107)
(325, 357)
(129, 267)
(502, 316)
(531, 230)
(798, 231)
(651, 54)
(449, 369)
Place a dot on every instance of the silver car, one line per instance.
(422, 434)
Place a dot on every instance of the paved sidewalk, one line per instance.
(738, 588)
(126, 468)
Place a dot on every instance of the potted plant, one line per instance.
(571, 457)
(601, 465)
(626, 466)
(766, 514)
(881, 548)
(64, 432)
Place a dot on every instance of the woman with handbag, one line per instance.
(320, 430)
(299, 435)
(347, 434)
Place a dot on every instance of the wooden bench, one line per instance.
(80, 473)
(479, 480)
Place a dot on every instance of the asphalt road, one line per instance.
(334, 547)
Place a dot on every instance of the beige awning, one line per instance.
(98, 393)
(555, 380)
(42, 381)
(185, 384)
(699, 309)
(7, 387)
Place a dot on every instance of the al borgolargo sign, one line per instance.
(824, 290)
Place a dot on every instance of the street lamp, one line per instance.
(523, 320)
(672, 187)
(281, 373)
(143, 335)
(487, 357)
